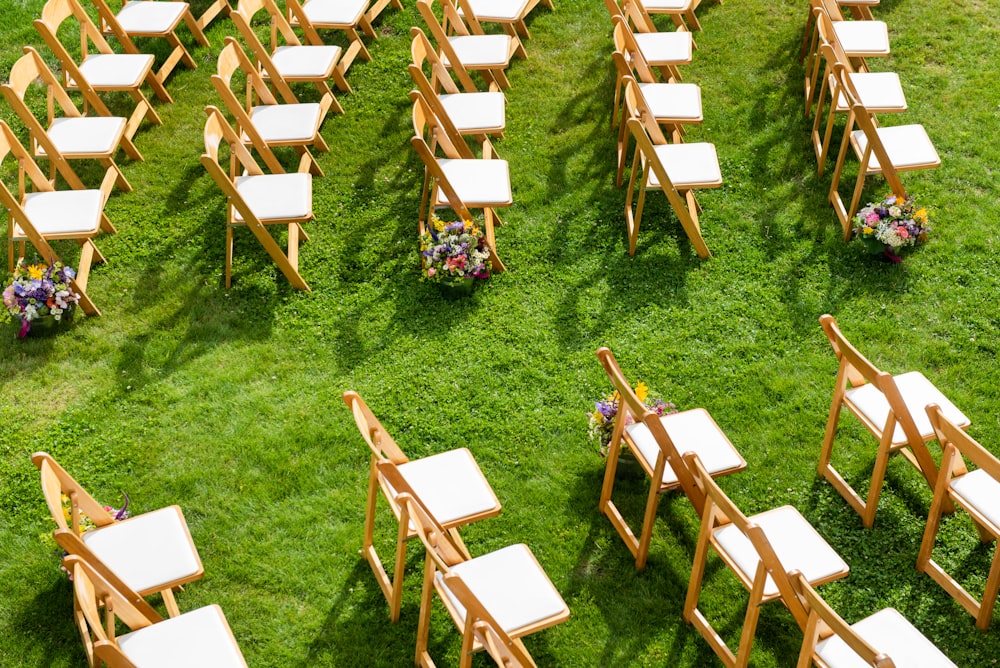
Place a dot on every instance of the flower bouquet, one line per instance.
(454, 254)
(602, 419)
(39, 290)
(886, 227)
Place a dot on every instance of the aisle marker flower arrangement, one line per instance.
(38, 290)
(890, 225)
(602, 420)
(454, 251)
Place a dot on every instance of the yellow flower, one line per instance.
(35, 271)
(641, 391)
(920, 216)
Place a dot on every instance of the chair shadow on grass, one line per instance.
(53, 638)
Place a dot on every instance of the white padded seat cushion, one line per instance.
(877, 91)
(480, 51)
(499, 10)
(322, 13)
(451, 486)
(63, 212)
(887, 631)
(512, 586)
(665, 6)
(275, 196)
(917, 392)
(979, 490)
(797, 544)
(688, 165)
(306, 62)
(477, 182)
(673, 101)
(691, 431)
(197, 639)
(151, 17)
(863, 38)
(665, 48)
(147, 551)
(906, 145)
(86, 135)
(292, 123)
(470, 112)
(115, 70)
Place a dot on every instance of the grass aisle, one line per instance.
(227, 402)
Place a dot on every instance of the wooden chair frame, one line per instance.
(630, 408)
(810, 55)
(625, 41)
(216, 132)
(958, 445)
(30, 68)
(18, 219)
(110, 25)
(54, 13)
(719, 512)
(855, 371)
(393, 485)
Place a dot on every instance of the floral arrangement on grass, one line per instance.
(602, 419)
(38, 290)
(454, 251)
(890, 225)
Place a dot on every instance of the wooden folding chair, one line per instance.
(760, 550)
(676, 169)
(662, 50)
(71, 136)
(450, 483)
(465, 52)
(148, 18)
(681, 13)
(657, 443)
(510, 15)
(891, 408)
(344, 15)
(101, 72)
(499, 597)
(257, 200)
(878, 92)
(978, 493)
(879, 150)
(269, 124)
(292, 62)
(458, 181)
(882, 640)
(201, 637)
(48, 215)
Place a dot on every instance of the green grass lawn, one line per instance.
(227, 402)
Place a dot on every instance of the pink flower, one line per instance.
(431, 271)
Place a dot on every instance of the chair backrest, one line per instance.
(823, 622)
(56, 484)
(957, 443)
(217, 131)
(431, 114)
(441, 548)
(720, 511)
(243, 17)
(382, 445)
(624, 41)
(422, 51)
(439, 31)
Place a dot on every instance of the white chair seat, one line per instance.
(480, 51)
(688, 165)
(887, 631)
(275, 196)
(511, 586)
(306, 62)
(907, 146)
(665, 48)
(63, 212)
(477, 182)
(451, 485)
(877, 91)
(147, 551)
(797, 544)
(863, 38)
(498, 10)
(115, 70)
(665, 6)
(151, 18)
(673, 101)
(335, 13)
(980, 491)
(86, 135)
(291, 123)
(472, 112)
(917, 392)
(197, 639)
(691, 431)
